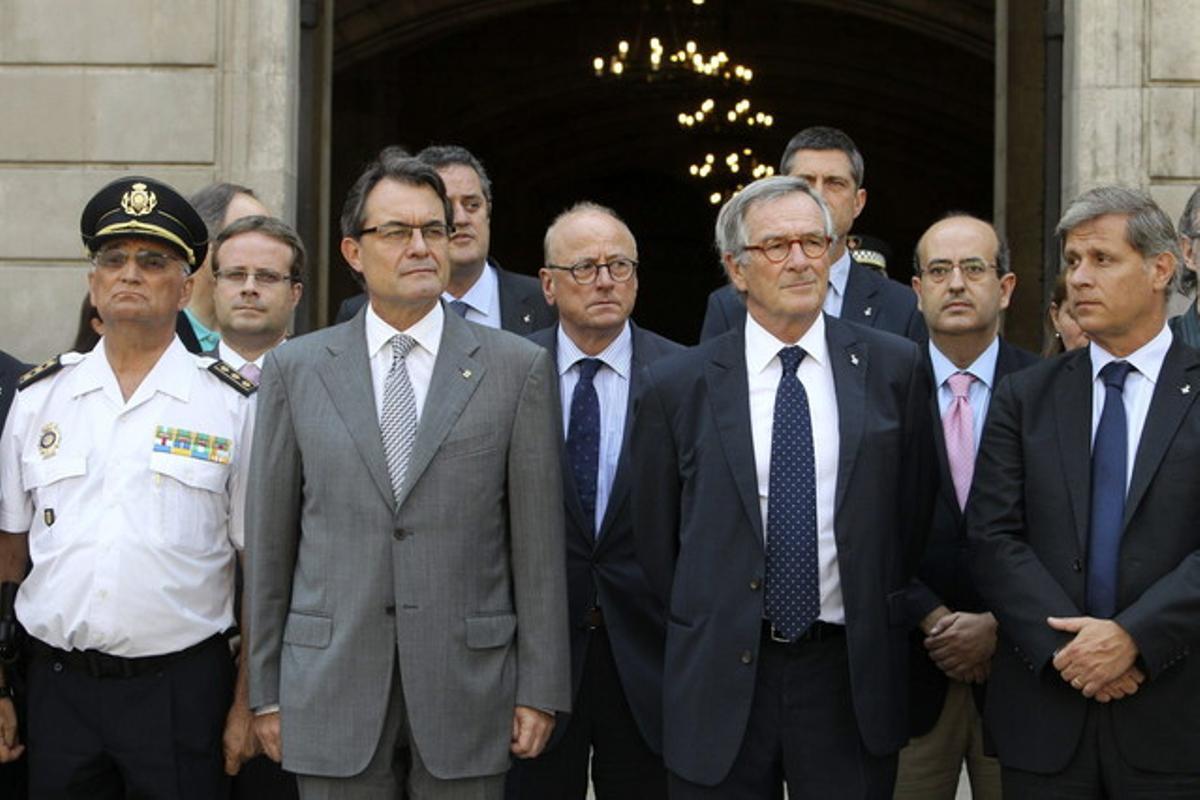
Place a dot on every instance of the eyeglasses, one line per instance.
(619, 269)
(972, 269)
(813, 245)
(402, 233)
(147, 260)
(261, 277)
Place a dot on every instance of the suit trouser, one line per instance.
(396, 769)
(154, 735)
(930, 765)
(802, 730)
(623, 767)
(1097, 771)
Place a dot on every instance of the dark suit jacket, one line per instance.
(943, 577)
(186, 333)
(699, 533)
(523, 308)
(1027, 523)
(871, 300)
(604, 570)
(10, 370)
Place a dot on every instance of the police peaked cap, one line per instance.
(145, 208)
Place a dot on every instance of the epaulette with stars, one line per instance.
(42, 370)
(232, 377)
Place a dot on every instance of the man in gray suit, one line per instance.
(406, 571)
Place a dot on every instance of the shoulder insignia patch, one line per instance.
(232, 377)
(43, 370)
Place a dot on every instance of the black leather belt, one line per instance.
(103, 665)
(817, 632)
(593, 618)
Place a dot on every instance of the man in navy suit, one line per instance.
(783, 478)
(617, 623)
(1083, 534)
(964, 281)
(831, 163)
(479, 290)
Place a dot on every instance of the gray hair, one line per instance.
(1003, 252)
(582, 207)
(447, 155)
(1148, 229)
(731, 221)
(213, 201)
(391, 166)
(820, 137)
(277, 229)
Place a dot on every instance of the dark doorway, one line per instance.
(514, 82)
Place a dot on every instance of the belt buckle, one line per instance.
(778, 637)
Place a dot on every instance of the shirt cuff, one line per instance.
(262, 711)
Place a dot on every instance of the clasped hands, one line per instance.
(1098, 661)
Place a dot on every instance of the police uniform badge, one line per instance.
(138, 201)
(49, 439)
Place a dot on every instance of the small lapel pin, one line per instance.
(1185, 389)
(867, 311)
(854, 359)
(526, 319)
(466, 373)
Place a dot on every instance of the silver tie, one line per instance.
(398, 423)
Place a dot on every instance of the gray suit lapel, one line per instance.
(456, 375)
(346, 375)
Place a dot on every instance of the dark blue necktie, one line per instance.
(583, 437)
(793, 599)
(459, 307)
(1109, 462)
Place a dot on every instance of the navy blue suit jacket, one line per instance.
(943, 577)
(1027, 526)
(699, 534)
(871, 300)
(604, 571)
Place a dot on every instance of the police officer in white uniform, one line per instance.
(122, 480)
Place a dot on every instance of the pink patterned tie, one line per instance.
(958, 424)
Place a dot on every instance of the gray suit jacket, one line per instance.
(461, 582)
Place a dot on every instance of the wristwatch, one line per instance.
(7, 691)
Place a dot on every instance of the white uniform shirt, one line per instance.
(134, 509)
(763, 369)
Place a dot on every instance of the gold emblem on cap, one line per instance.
(49, 440)
(139, 201)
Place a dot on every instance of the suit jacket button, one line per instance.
(747, 657)
(399, 533)
(390, 611)
(755, 584)
(1077, 565)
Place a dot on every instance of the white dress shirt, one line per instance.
(980, 393)
(133, 508)
(234, 359)
(612, 388)
(1147, 362)
(763, 370)
(428, 333)
(482, 299)
(835, 295)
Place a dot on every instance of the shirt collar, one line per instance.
(207, 337)
(427, 330)
(1147, 359)
(172, 374)
(839, 273)
(618, 356)
(982, 368)
(483, 294)
(235, 359)
(762, 346)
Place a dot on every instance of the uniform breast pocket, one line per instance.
(47, 481)
(190, 502)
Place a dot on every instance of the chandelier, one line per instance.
(723, 107)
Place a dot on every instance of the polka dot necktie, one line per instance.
(398, 422)
(583, 437)
(793, 599)
(1109, 462)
